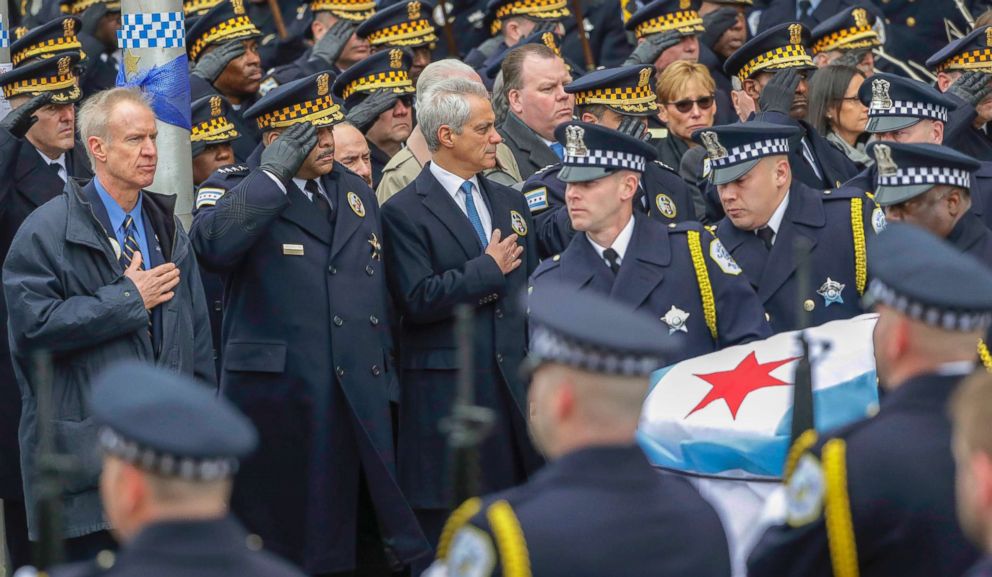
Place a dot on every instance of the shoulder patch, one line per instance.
(268, 85)
(665, 205)
(472, 553)
(805, 491)
(208, 196)
(537, 199)
(878, 219)
(721, 256)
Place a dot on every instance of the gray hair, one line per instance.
(447, 68)
(96, 111)
(501, 102)
(446, 104)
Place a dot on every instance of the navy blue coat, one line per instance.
(777, 12)
(594, 512)
(971, 236)
(604, 29)
(900, 482)
(657, 273)
(245, 144)
(835, 167)
(824, 218)
(435, 263)
(302, 67)
(981, 569)
(306, 357)
(961, 134)
(663, 195)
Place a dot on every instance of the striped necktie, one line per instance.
(131, 245)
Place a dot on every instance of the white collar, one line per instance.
(60, 161)
(775, 222)
(621, 242)
(450, 181)
(301, 183)
(955, 369)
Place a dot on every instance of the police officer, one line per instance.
(46, 40)
(725, 22)
(769, 212)
(223, 45)
(590, 359)
(100, 20)
(877, 497)
(609, 97)
(510, 21)
(297, 240)
(170, 448)
(678, 275)
(970, 88)
(846, 38)
(403, 25)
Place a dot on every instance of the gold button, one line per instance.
(911, 21)
(809, 305)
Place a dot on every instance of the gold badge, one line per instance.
(64, 64)
(413, 10)
(323, 84)
(883, 159)
(860, 17)
(239, 7)
(666, 205)
(356, 204)
(395, 58)
(880, 99)
(988, 37)
(796, 34)
(376, 247)
(68, 27)
(714, 149)
(215, 106)
(518, 223)
(645, 77)
(684, 4)
(575, 144)
(19, 32)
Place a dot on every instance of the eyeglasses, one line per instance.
(683, 106)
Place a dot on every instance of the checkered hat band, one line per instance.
(683, 21)
(32, 85)
(911, 109)
(346, 8)
(949, 320)
(213, 129)
(320, 112)
(854, 37)
(233, 29)
(156, 462)
(50, 46)
(974, 60)
(751, 151)
(199, 6)
(789, 56)
(4, 36)
(81, 6)
(550, 346)
(397, 79)
(617, 96)
(405, 33)
(152, 30)
(525, 7)
(607, 159)
(926, 175)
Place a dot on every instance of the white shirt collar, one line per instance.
(955, 369)
(301, 183)
(775, 222)
(621, 242)
(450, 181)
(60, 161)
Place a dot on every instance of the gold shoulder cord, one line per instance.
(985, 355)
(840, 526)
(509, 540)
(703, 281)
(860, 254)
(804, 443)
(456, 521)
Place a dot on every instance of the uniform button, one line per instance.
(768, 317)
(499, 313)
(809, 305)
(374, 320)
(375, 370)
(332, 270)
(127, 293)
(339, 371)
(499, 357)
(911, 22)
(338, 321)
(369, 270)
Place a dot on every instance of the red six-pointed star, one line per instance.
(735, 385)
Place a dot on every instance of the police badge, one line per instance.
(395, 58)
(645, 77)
(883, 160)
(323, 84)
(860, 17)
(575, 141)
(675, 318)
(413, 10)
(239, 7)
(215, 106)
(714, 149)
(831, 292)
(796, 34)
(880, 99)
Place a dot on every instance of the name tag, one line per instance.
(292, 249)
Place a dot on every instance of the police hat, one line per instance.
(198, 7)
(908, 170)
(971, 52)
(779, 47)
(56, 75)
(545, 10)
(354, 10)
(626, 90)
(594, 333)
(733, 149)
(168, 424)
(896, 102)
(210, 123)
(80, 6)
(851, 29)
(404, 24)
(388, 69)
(304, 100)
(224, 22)
(549, 39)
(593, 151)
(929, 280)
(664, 15)
(54, 36)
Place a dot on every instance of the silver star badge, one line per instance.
(675, 319)
(831, 292)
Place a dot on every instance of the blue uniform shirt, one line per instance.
(117, 216)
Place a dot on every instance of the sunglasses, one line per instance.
(683, 106)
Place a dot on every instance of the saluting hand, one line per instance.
(20, 120)
(155, 285)
(505, 252)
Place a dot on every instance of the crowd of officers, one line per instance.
(655, 184)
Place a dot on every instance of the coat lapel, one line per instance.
(643, 266)
(303, 214)
(439, 202)
(580, 263)
(527, 140)
(347, 218)
(803, 215)
(43, 184)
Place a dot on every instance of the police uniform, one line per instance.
(963, 55)
(174, 428)
(59, 35)
(307, 348)
(402, 25)
(877, 497)
(837, 225)
(595, 510)
(492, 66)
(540, 11)
(914, 30)
(387, 69)
(851, 30)
(224, 23)
(100, 67)
(603, 26)
(627, 91)
(676, 275)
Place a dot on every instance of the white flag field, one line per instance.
(724, 419)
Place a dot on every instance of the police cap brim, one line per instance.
(732, 173)
(891, 195)
(583, 173)
(880, 124)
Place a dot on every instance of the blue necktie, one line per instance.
(558, 149)
(131, 245)
(473, 213)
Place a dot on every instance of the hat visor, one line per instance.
(890, 195)
(879, 124)
(582, 173)
(634, 109)
(733, 172)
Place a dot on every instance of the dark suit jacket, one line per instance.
(530, 152)
(781, 11)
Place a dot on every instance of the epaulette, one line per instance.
(234, 169)
(548, 167)
(685, 226)
(843, 192)
(665, 166)
(546, 265)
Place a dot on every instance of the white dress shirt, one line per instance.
(452, 184)
(619, 244)
(775, 222)
(301, 183)
(63, 171)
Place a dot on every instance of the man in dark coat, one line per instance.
(876, 498)
(33, 136)
(970, 89)
(113, 259)
(591, 359)
(100, 22)
(454, 238)
(510, 21)
(297, 241)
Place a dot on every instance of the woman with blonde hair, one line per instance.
(686, 103)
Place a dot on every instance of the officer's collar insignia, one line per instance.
(413, 10)
(575, 141)
(395, 58)
(714, 149)
(796, 34)
(880, 99)
(645, 78)
(215, 106)
(831, 291)
(518, 223)
(883, 159)
(356, 204)
(376, 247)
(323, 84)
(675, 318)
